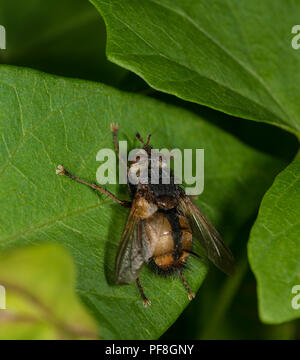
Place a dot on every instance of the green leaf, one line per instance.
(274, 248)
(234, 56)
(41, 302)
(46, 121)
(58, 38)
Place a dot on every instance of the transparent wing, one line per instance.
(130, 258)
(217, 251)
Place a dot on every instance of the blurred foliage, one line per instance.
(40, 296)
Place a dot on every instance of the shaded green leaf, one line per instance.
(234, 56)
(58, 38)
(40, 296)
(46, 121)
(274, 248)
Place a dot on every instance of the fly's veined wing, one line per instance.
(217, 251)
(129, 258)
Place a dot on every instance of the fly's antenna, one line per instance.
(138, 136)
(148, 139)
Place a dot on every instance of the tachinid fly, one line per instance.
(160, 229)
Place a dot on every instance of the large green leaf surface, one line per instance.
(41, 303)
(274, 248)
(234, 56)
(46, 121)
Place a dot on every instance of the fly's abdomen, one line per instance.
(170, 235)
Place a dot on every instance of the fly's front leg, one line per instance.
(114, 128)
(62, 171)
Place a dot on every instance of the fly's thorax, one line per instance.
(166, 202)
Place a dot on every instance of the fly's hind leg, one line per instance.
(191, 294)
(146, 301)
(62, 171)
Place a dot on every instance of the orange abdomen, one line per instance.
(170, 236)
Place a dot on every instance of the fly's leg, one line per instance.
(114, 128)
(191, 294)
(62, 171)
(146, 301)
